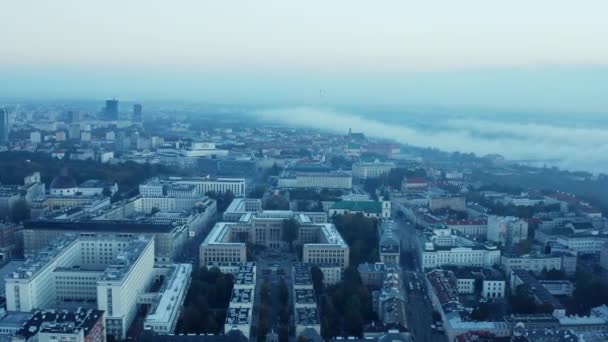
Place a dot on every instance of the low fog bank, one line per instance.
(570, 148)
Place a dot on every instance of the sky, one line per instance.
(546, 54)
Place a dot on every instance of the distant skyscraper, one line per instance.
(111, 109)
(3, 126)
(137, 112)
(74, 116)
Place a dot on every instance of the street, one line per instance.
(419, 310)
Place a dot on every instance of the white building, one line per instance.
(330, 249)
(241, 206)
(109, 271)
(321, 242)
(202, 185)
(506, 230)
(316, 180)
(375, 169)
(167, 304)
(445, 248)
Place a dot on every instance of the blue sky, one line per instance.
(539, 54)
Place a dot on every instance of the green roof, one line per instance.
(365, 206)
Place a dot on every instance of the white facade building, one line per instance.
(316, 180)
(110, 271)
(376, 169)
(202, 185)
(506, 230)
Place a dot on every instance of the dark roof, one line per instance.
(99, 225)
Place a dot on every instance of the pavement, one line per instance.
(274, 261)
(419, 309)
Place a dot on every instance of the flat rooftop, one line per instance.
(307, 316)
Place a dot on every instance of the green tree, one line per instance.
(284, 333)
(20, 211)
(289, 231)
(106, 192)
(522, 301)
(317, 279)
(257, 192)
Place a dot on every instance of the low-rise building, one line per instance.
(76, 326)
(506, 230)
(371, 170)
(316, 180)
(389, 243)
(373, 209)
(443, 247)
(108, 271)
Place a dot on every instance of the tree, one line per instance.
(257, 192)
(289, 231)
(154, 210)
(522, 301)
(523, 247)
(481, 312)
(106, 192)
(20, 211)
(284, 333)
(317, 279)
(283, 293)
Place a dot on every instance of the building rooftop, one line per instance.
(123, 262)
(168, 301)
(238, 316)
(242, 296)
(60, 322)
(301, 274)
(363, 206)
(307, 316)
(304, 296)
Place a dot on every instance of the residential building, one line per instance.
(506, 230)
(389, 243)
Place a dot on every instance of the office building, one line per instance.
(137, 113)
(321, 242)
(316, 180)
(111, 110)
(81, 325)
(375, 169)
(443, 247)
(108, 272)
(4, 126)
(241, 206)
(193, 185)
(305, 307)
(73, 116)
(167, 303)
(375, 209)
(173, 223)
(537, 262)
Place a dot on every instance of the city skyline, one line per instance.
(545, 55)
